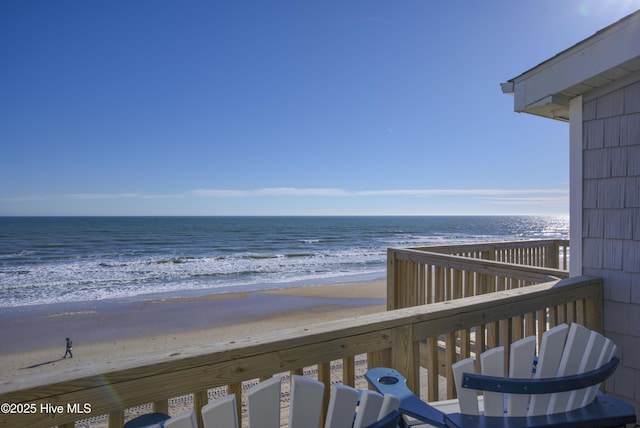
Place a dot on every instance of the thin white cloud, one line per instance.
(459, 192)
(506, 196)
(105, 196)
(219, 193)
(89, 196)
(270, 191)
(549, 201)
(121, 196)
(294, 191)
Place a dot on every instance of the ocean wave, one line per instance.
(89, 280)
(42, 261)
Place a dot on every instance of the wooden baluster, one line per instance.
(571, 312)
(468, 284)
(430, 292)
(594, 313)
(450, 283)
(236, 388)
(506, 338)
(553, 316)
(517, 328)
(492, 335)
(116, 419)
(161, 406)
(562, 314)
(457, 284)
(422, 284)
(439, 284)
(581, 315)
(349, 371)
(324, 376)
(379, 359)
(409, 284)
(400, 284)
(465, 343)
(542, 324)
(415, 284)
(480, 345)
(530, 324)
(553, 259)
(433, 384)
(200, 399)
(450, 359)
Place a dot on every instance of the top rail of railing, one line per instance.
(553, 253)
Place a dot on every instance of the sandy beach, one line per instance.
(32, 338)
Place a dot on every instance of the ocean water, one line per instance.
(47, 260)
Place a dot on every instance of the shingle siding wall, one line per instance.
(611, 222)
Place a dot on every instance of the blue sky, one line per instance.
(156, 107)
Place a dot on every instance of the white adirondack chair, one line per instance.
(263, 400)
(346, 408)
(564, 351)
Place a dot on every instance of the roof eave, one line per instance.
(608, 55)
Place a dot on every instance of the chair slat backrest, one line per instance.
(390, 403)
(183, 420)
(574, 350)
(263, 402)
(520, 366)
(369, 408)
(306, 402)
(492, 364)
(608, 351)
(595, 347)
(342, 404)
(306, 405)
(549, 356)
(467, 398)
(221, 412)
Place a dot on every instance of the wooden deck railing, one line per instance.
(418, 276)
(394, 338)
(551, 253)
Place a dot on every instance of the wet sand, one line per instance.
(32, 338)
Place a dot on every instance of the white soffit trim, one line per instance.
(608, 55)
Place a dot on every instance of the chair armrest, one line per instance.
(390, 381)
(389, 421)
(539, 386)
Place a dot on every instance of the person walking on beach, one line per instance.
(69, 347)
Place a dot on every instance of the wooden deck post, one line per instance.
(392, 294)
(405, 355)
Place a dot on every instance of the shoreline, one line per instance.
(33, 337)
